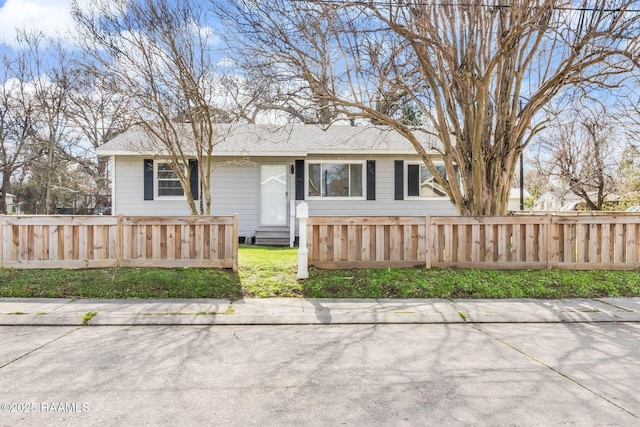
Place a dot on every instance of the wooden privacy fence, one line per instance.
(335, 242)
(580, 242)
(122, 241)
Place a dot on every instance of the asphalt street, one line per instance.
(582, 374)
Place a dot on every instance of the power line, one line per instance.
(466, 5)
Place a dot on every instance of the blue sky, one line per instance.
(49, 16)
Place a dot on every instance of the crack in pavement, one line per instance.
(558, 372)
(39, 347)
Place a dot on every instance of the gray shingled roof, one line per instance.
(290, 140)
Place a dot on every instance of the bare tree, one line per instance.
(50, 85)
(159, 53)
(581, 153)
(259, 96)
(99, 112)
(16, 121)
(479, 72)
(536, 183)
(629, 117)
(629, 168)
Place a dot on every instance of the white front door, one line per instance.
(273, 194)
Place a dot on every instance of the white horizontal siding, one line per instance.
(129, 191)
(235, 190)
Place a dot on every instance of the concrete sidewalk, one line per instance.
(298, 311)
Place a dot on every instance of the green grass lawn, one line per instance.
(271, 272)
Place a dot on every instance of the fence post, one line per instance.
(236, 239)
(549, 241)
(292, 223)
(302, 212)
(120, 242)
(427, 236)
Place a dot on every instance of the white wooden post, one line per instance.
(302, 212)
(292, 222)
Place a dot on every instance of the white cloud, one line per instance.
(51, 17)
(226, 62)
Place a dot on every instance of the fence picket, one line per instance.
(605, 251)
(353, 241)
(380, 243)
(581, 239)
(407, 242)
(632, 243)
(37, 240)
(338, 246)
(366, 243)
(620, 255)
(490, 247)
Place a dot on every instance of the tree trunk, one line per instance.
(6, 185)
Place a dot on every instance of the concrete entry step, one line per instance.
(272, 236)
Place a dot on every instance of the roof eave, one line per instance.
(111, 153)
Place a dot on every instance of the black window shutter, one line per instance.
(399, 179)
(148, 179)
(413, 180)
(371, 179)
(299, 179)
(193, 170)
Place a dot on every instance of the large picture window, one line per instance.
(421, 183)
(168, 184)
(336, 180)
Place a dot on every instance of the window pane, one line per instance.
(169, 184)
(356, 180)
(170, 192)
(426, 182)
(425, 174)
(167, 175)
(315, 171)
(428, 186)
(165, 171)
(170, 188)
(335, 180)
(167, 179)
(413, 180)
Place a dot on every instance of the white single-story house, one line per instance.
(258, 170)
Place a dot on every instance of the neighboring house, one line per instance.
(258, 170)
(10, 200)
(557, 201)
(565, 201)
(514, 199)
